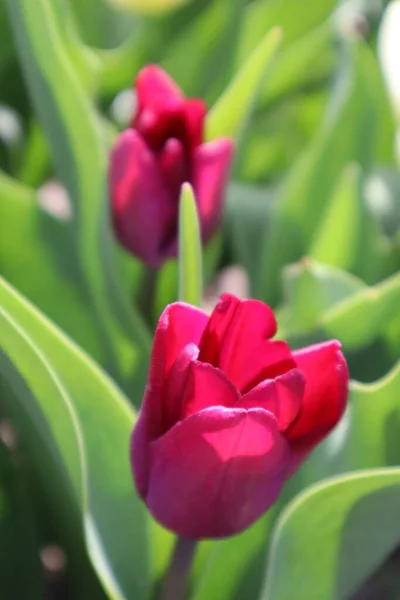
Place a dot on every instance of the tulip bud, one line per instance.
(228, 415)
(150, 161)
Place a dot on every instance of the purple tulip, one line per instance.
(150, 161)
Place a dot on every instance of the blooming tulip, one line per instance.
(228, 415)
(150, 161)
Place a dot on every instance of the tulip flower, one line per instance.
(163, 149)
(228, 415)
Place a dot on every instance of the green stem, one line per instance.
(176, 578)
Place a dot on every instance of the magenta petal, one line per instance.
(281, 396)
(217, 328)
(211, 164)
(206, 387)
(248, 365)
(155, 88)
(264, 395)
(236, 340)
(194, 112)
(324, 402)
(173, 166)
(179, 326)
(216, 472)
(290, 389)
(141, 206)
(178, 382)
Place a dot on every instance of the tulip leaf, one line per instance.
(76, 425)
(232, 569)
(302, 62)
(148, 6)
(343, 214)
(327, 530)
(247, 209)
(48, 270)
(347, 238)
(289, 15)
(18, 543)
(360, 319)
(231, 112)
(310, 289)
(77, 143)
(190, 263)
(348, 134)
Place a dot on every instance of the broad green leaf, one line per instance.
(347, 237)
(232, 569)
(78, 429)
(361, 318)
(209, 38)
(310, 289)
(321, 547)
(100, 24)
(339, 236)
(289, 15)
(301, 63)
(231, 112)
(348, 134)
(247, 209)
(148, 6)
(43, 268)
(20, 568)
(190, 265)
(76, 140)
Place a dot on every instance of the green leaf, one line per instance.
(231, 112)
(310, 289)
(77, 144)
(247, 209)
(100, 24)
(360, 319)
(289, 15)
(321, 547)
(339, 236)
(20, 568)
(190, 265)
(76, 425)
(304, 62)
(210, 38)
(348, 134)
(347, 237)
(43, 268)
(148, 6)
(232, 569)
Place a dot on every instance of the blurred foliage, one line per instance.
(312, 215)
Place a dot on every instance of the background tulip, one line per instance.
(150, 162)
(228, 415)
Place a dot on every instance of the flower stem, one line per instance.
(176, 579)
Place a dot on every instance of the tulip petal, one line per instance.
(142, 209)
(155, 89)
(207, 386)
(264, 395)
(216, 472)
(325, 396)
(281, 396)
(176, 386)
(237, 341)
(211, 164)
(180, 325)
(194, 111)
